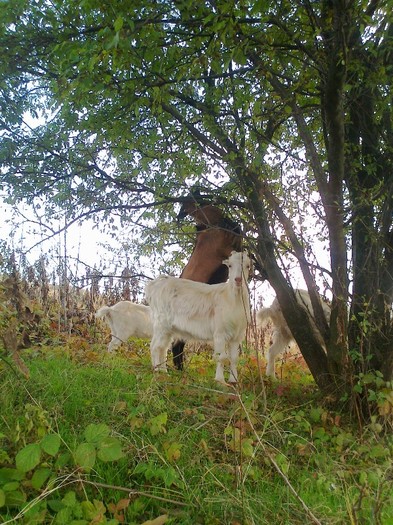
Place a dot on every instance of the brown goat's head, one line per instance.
(203, 214)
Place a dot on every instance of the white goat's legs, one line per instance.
(280, 342)
(114, 343)
(224, 353)
(219, 346)
(220, 356)
(232, 356)
(233, 359)
(220, 369)
(158, 351)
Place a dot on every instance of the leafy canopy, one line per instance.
(280, 110)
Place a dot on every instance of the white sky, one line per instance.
(84, 247)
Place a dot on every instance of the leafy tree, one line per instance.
(290, 100)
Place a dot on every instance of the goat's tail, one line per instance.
(263, 316)
(103, 312)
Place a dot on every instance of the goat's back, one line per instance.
(195, 310)
(127, 319)
(102, 312)
(263, 316)
(303, 298)
(172, 291)
(274, 313)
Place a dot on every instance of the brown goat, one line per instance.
(203, 214)
(217, 237)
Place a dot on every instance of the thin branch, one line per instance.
(132, 492)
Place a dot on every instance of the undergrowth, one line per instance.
(90, 438)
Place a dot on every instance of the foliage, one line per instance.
(144, 447)
(277, 111)
(36, 307)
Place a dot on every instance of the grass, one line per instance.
(193, 452)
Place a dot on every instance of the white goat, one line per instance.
(186, 310)
(282, 336)
(126, 319)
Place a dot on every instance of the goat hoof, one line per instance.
(228, 384)
(221, 382)
(160, 370)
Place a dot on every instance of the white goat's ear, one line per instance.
(226, 262)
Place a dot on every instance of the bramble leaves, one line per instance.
(172, 451)
(157, 424)
(28, 458)
(96, 433)
(85, 456)
(109, 449)
(99, 444)
(40, 476)
(50, 444)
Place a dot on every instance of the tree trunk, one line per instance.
(370, 332)
(296, 316)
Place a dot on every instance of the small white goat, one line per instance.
(126, 319)
(186, 310)
(282, 336)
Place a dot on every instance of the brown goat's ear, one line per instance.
(187, 207)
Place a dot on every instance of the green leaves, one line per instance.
(157, 424)
(72, 511)
(96, 433)
(150, 471)
(118, 24)
(11, 494)
(85, 456)
(50, 444)
(30, 456)
(98, 444)
(237, 442)
(40, 476)
(110, 449)
(13, 481)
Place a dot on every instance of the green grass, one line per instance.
(193, 451)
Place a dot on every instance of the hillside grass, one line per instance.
(128, 446)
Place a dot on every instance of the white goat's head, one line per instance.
(240, 267)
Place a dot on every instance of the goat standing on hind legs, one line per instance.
(217, 237)
(191, 310)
